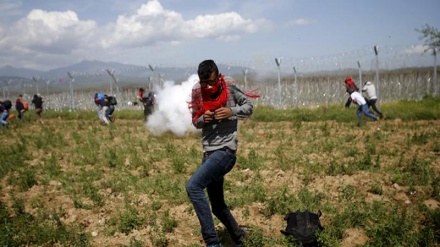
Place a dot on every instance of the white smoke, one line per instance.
(171, 112)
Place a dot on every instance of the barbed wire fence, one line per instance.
(406, 72)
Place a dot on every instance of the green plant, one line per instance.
(135, 243)
(159, 239)
(398, 230)
(349, 192)
(25, 180)
(47, 229)
(129, 219)
(376, 188)
(251, 162)
(168, 223)
(178, 164)
(291, 159)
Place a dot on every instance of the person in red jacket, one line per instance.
(350, 87)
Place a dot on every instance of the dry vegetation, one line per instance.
(76, 182)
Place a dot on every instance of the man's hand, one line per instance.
(208, 116)
(219, 114)
(222, 113)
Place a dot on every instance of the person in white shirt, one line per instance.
(358, 99)
(370, 90)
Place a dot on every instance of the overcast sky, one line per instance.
(46, 34)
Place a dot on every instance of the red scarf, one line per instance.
(202, 98)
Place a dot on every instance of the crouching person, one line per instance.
(358, 99)
(5, 107)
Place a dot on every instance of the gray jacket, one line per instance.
(370, 90)
(223, 133)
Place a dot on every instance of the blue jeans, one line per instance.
(4, 118)
(211, 176)
(364, 108)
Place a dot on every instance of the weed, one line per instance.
(365, 163)
(168, 222)
(125, 167)
(325, 129)
(136, 243)
(376, 188)
(25, 229)
(436, 147)
(252, 161)
(25, 180)
(420, 138)
(397, 230)
(178, 164)
(413, 172)
(349, 192)
(436, 188)
(129, 219)
(255, 239)
(156, 205)
(158, 239)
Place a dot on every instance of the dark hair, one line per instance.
(141, 89)
(206, 68)
(7, 104)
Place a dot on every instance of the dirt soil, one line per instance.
(186, 233)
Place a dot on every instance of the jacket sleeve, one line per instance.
(199, 123)
(364, 88)
(243, 107)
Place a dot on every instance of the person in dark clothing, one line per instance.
(112, 102)
(19, 106)
(37, 101)
(148, 101)
(370, 91)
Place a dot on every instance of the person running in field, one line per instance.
(19, 107)
(350, 87)
(148, 101)
(37, 101)
(370, 90)
(358, 99)
(216, 105)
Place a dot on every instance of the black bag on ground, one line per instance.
(303, 227)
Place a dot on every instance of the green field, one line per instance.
(73, 182)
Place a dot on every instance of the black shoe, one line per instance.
(244, 236)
